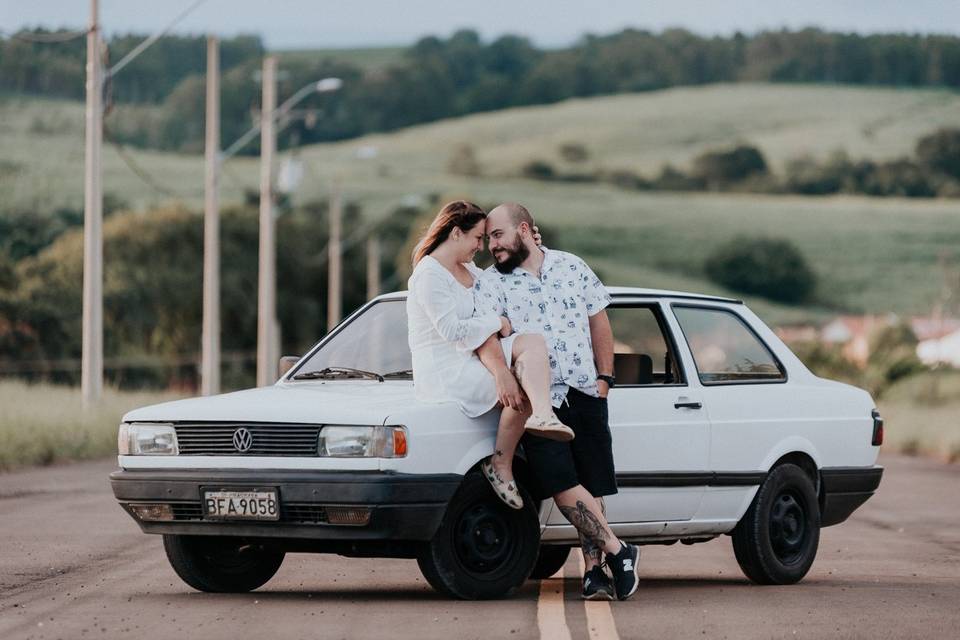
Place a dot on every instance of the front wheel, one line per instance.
(776, 540)
(221, 565)
(483, 548)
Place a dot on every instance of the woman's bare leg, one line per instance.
(532, 368)
(508, 437)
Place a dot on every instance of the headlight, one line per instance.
(362, 442)
(147, 440)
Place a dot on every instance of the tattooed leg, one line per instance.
(592, 553)
(585, 513)
(508, 436)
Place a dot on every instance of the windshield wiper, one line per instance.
(338, 372)
(403, 373)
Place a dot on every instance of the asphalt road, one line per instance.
(73, 565)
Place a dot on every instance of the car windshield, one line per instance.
(373, 342)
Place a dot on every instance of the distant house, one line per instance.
(793, 334)
(853, 332)
(939, 340)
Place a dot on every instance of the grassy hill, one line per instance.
(871, 254)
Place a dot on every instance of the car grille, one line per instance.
(217, 439)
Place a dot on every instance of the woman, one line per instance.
(443, 334)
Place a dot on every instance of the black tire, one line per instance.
(221, 564)
(776, 540)
(483, 548)
(549, 561)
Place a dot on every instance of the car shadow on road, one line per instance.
(417, 593)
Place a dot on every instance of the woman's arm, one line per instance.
(432, 293)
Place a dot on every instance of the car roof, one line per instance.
(620, 292)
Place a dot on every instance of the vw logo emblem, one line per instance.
(242, 440)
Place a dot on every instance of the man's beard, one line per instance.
(515, 257)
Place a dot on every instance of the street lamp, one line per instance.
(266, 314)
(327, 85)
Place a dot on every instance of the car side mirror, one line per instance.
(286, 363)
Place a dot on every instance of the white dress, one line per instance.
(443, 334)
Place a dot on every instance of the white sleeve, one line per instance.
(432, 293)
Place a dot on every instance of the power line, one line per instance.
(142, 173)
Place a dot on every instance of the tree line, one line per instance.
(161, 94)
(932, 171)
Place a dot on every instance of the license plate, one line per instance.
(241, 505)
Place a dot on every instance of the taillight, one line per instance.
(877, 428)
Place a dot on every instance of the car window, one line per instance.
(642, 354)
(376, 340)
(724, 348)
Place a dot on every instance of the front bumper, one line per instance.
(403, 507)
(844, 490)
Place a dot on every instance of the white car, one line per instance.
(717, 429)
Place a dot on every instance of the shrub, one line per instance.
(731, 165)
(538, 170)
(574, 152)
(770, 267)
(463, 161)
(672, 179)
(941, 151)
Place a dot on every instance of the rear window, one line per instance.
(725, 349)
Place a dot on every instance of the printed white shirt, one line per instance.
(556, 305)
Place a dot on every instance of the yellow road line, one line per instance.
(599, 615)
(551, 618)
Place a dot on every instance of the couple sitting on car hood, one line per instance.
(529, 336)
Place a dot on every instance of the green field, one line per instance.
(872, 254)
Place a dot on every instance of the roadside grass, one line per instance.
(43, 424)
(922, 430)
(921, 415)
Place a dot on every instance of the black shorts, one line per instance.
(587, 459)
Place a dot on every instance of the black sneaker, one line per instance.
(623, 565)
(596, 585)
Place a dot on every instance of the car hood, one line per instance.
(314, 402)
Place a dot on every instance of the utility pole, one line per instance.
(210, 347)
(373, 267)
(266, 298)
(334, 257)
(91, 367)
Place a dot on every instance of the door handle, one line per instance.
(687, 405)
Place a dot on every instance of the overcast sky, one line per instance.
(287, 24)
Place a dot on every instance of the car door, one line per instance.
(751, 405)
(661, 433)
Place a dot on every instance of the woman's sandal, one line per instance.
(549, 426)
(506, 491)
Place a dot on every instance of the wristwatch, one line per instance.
(610, 380)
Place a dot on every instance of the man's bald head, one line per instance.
(510, 235)
(515, 213)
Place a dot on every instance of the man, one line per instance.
(555, 294)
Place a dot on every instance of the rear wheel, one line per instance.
(483, 548)
(221, 564)
(549, 561)
(776, 540)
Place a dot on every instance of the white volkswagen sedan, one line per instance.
(717, 429)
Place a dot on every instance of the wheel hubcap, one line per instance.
(788, 527)
(483, 538)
